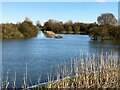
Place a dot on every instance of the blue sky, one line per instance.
(60, 0)
(61, 11)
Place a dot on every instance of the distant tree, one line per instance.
(115, 32)
(76, 27)
(84, 27)
(18, 23)
(27, 19)
(119, 21)
(68, 26)
(38, 24)
(54, 25)
(107, 18)
(49, 25)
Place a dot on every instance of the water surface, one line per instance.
(43, 55)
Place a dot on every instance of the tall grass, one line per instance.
(92, 71)
(88, 71)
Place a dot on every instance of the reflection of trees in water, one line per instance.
(104, 46)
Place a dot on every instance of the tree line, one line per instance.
(105, 28)
(67, 27)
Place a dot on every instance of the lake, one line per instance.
(41, 56)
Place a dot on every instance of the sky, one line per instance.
(59, 0)
(13, 12)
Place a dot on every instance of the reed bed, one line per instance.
(91, 71)
(87, 71)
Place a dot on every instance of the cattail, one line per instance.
(38, 82)
(71, 68)
(24, 82)
(63, 74)
(87, 71)
(30, 79)
(14, 82)
(58, 73)
(7, 82)
(48, 77)
(76, 73)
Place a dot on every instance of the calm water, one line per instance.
(43, 55)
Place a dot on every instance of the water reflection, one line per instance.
(104, 46)
(41, 35)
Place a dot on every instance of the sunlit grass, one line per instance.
(91, 71)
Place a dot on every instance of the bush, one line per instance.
(10, 31)
(28, 29)
(22, 30)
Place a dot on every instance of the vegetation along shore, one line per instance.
(95, 72)
(107, 28)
